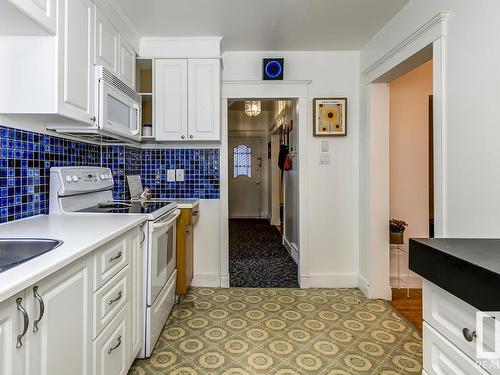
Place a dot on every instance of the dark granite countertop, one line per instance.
(467, 268)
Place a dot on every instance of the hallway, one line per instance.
(257, 257)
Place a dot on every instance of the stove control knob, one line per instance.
(68, 178)
(103, 177)
(75, 178)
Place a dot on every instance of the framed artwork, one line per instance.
(330, 117)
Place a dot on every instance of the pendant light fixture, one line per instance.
(252, 108)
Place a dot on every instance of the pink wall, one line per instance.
(409, 171)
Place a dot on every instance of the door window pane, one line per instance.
(242, 155)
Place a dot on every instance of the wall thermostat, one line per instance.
(272, 68)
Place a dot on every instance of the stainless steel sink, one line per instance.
(14, 251)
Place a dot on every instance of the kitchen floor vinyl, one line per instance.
(257, 257)
(245, 331)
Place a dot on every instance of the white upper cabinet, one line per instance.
(12, 325)
(43, 12)
(127, 63)
(171, 76)
(204, 99)
(60, 311)
(187, 99)
(76, 42)
(107, 44)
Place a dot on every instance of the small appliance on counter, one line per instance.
(89, 191)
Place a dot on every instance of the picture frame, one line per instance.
(329, 117)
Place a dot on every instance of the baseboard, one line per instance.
(292, 250)
(207, 280)
(363, 285)
(304, 281)
(334, 280)
(224, 281)
(246, 217)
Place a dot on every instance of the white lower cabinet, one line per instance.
(62, 326)
(112, 346)
(59, 308)
(11, 325)
(441, 357)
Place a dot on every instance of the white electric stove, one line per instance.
(89, 191)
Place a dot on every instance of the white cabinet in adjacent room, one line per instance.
(204, 99)
(76, 52)
(107, 43)
(12, 325)
(43, 12)
(60, 309)
(187, 99)
(170, 97)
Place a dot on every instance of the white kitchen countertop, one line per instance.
(81, 234)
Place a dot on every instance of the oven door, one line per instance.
(161, 254)
(118, 113)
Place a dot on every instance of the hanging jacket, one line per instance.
(282, 156)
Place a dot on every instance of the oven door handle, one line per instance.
(167, 223)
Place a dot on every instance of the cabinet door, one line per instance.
(44, 12)
(127, 63)
(107, 41)
(76, 69)
(170, 99)
(60, 344)
(204, 99)
(11, 325)
(137, 240)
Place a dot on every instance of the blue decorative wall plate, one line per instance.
(272, 68)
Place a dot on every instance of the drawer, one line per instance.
(110, 299)
(109, 259)
(441, 357)
(111, 348)
(449, 315)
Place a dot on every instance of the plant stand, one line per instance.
(400, 251)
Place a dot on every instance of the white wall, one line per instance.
(472, 93)
(333, 200)
(409, 159)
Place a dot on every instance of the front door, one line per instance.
(244, 178)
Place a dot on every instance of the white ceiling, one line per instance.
(266, 25)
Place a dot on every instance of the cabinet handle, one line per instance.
(182, 137)
(469, 335)
(93, 118)
(42, 308)
(117, 298)
(191, 136)
(117, 256)
(143, 239)
(119, 339)
(26, 322)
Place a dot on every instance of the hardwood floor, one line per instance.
(409, 307)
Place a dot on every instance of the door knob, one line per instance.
(257, 183)
(183, 137)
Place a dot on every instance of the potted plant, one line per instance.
(397, 231)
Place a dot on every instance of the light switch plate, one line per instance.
(324, 158)
(170, 175)
(324, 146)
(179, 175)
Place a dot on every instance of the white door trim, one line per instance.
(267, 90)
(375, 284)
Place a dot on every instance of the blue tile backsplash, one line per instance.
(26, 158)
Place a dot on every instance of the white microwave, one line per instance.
(117, 109)
(118, 106)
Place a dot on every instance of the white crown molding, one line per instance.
(181, 46)
(437, 23)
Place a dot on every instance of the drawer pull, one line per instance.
(119, 339)
(26, 322)
(42, 308)
(117, 298)
(117, 256)
(469, 335)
